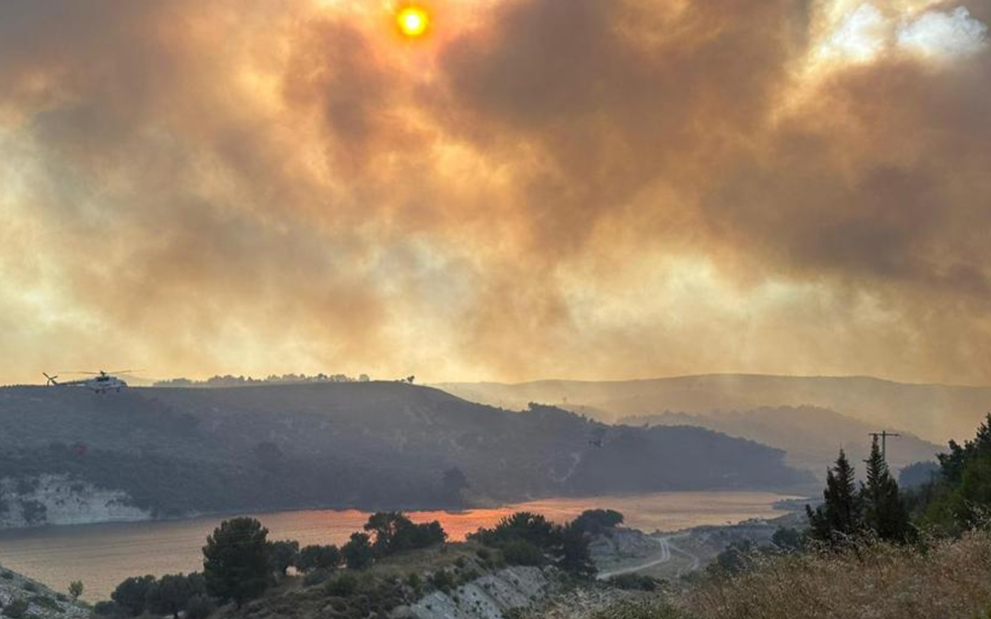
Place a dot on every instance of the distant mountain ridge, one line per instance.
(810, 436)
(367, 445)
(934, 412)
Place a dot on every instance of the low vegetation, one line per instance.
(942, 579)
(863, 555)
(530, 539)
(392, 561)
(23, 598)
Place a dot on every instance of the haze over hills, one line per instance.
(934, 412)
(810, 436)
(371, 445)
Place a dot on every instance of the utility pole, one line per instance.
(883, 435)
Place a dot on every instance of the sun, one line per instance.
(413, 22)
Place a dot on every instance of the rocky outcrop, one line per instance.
(488, 597)
(621, 543)
(58, 500)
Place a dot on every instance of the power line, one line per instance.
(883, 435)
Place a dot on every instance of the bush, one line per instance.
(132, 594)
(521, 552)
(199, 607)
(414, 581)
(526, 526)
(30, 587)
(633, 582)
(16, 609)
(736, 558)
(108, 609)
(394, 532)
(282, 555)
(171, 593)
(316, 577)
(526, 538)
(7, 575)
(342, 585)
(76, 589)
(319, 558)
(358, 553)
(442, 580)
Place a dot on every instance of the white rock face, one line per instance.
(487, 597)
(64, 502)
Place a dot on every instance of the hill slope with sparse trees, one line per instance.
(369, 445)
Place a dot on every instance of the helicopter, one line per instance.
(101, 382)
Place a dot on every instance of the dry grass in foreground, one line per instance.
(947, 580)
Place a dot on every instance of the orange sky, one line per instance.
(538, 188)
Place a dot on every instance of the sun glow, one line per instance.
(413, 22)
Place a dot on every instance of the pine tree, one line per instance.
(885, 512)
(842, 514)
(235, 560)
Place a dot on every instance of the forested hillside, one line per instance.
(371, 445)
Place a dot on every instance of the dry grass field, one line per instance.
(947, 579)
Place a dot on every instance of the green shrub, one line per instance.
(7, 575)
(316, 557)
(17, 609)
(342, 585)
(394, 532)
(108, 608)
(76, 589)
(199, 607)
(633, 582)
(316, 577)
(520, 552)
(30, 587)
(442, 580)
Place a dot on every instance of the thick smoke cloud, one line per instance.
(572, 188)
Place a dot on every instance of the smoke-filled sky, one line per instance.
(538, 188)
